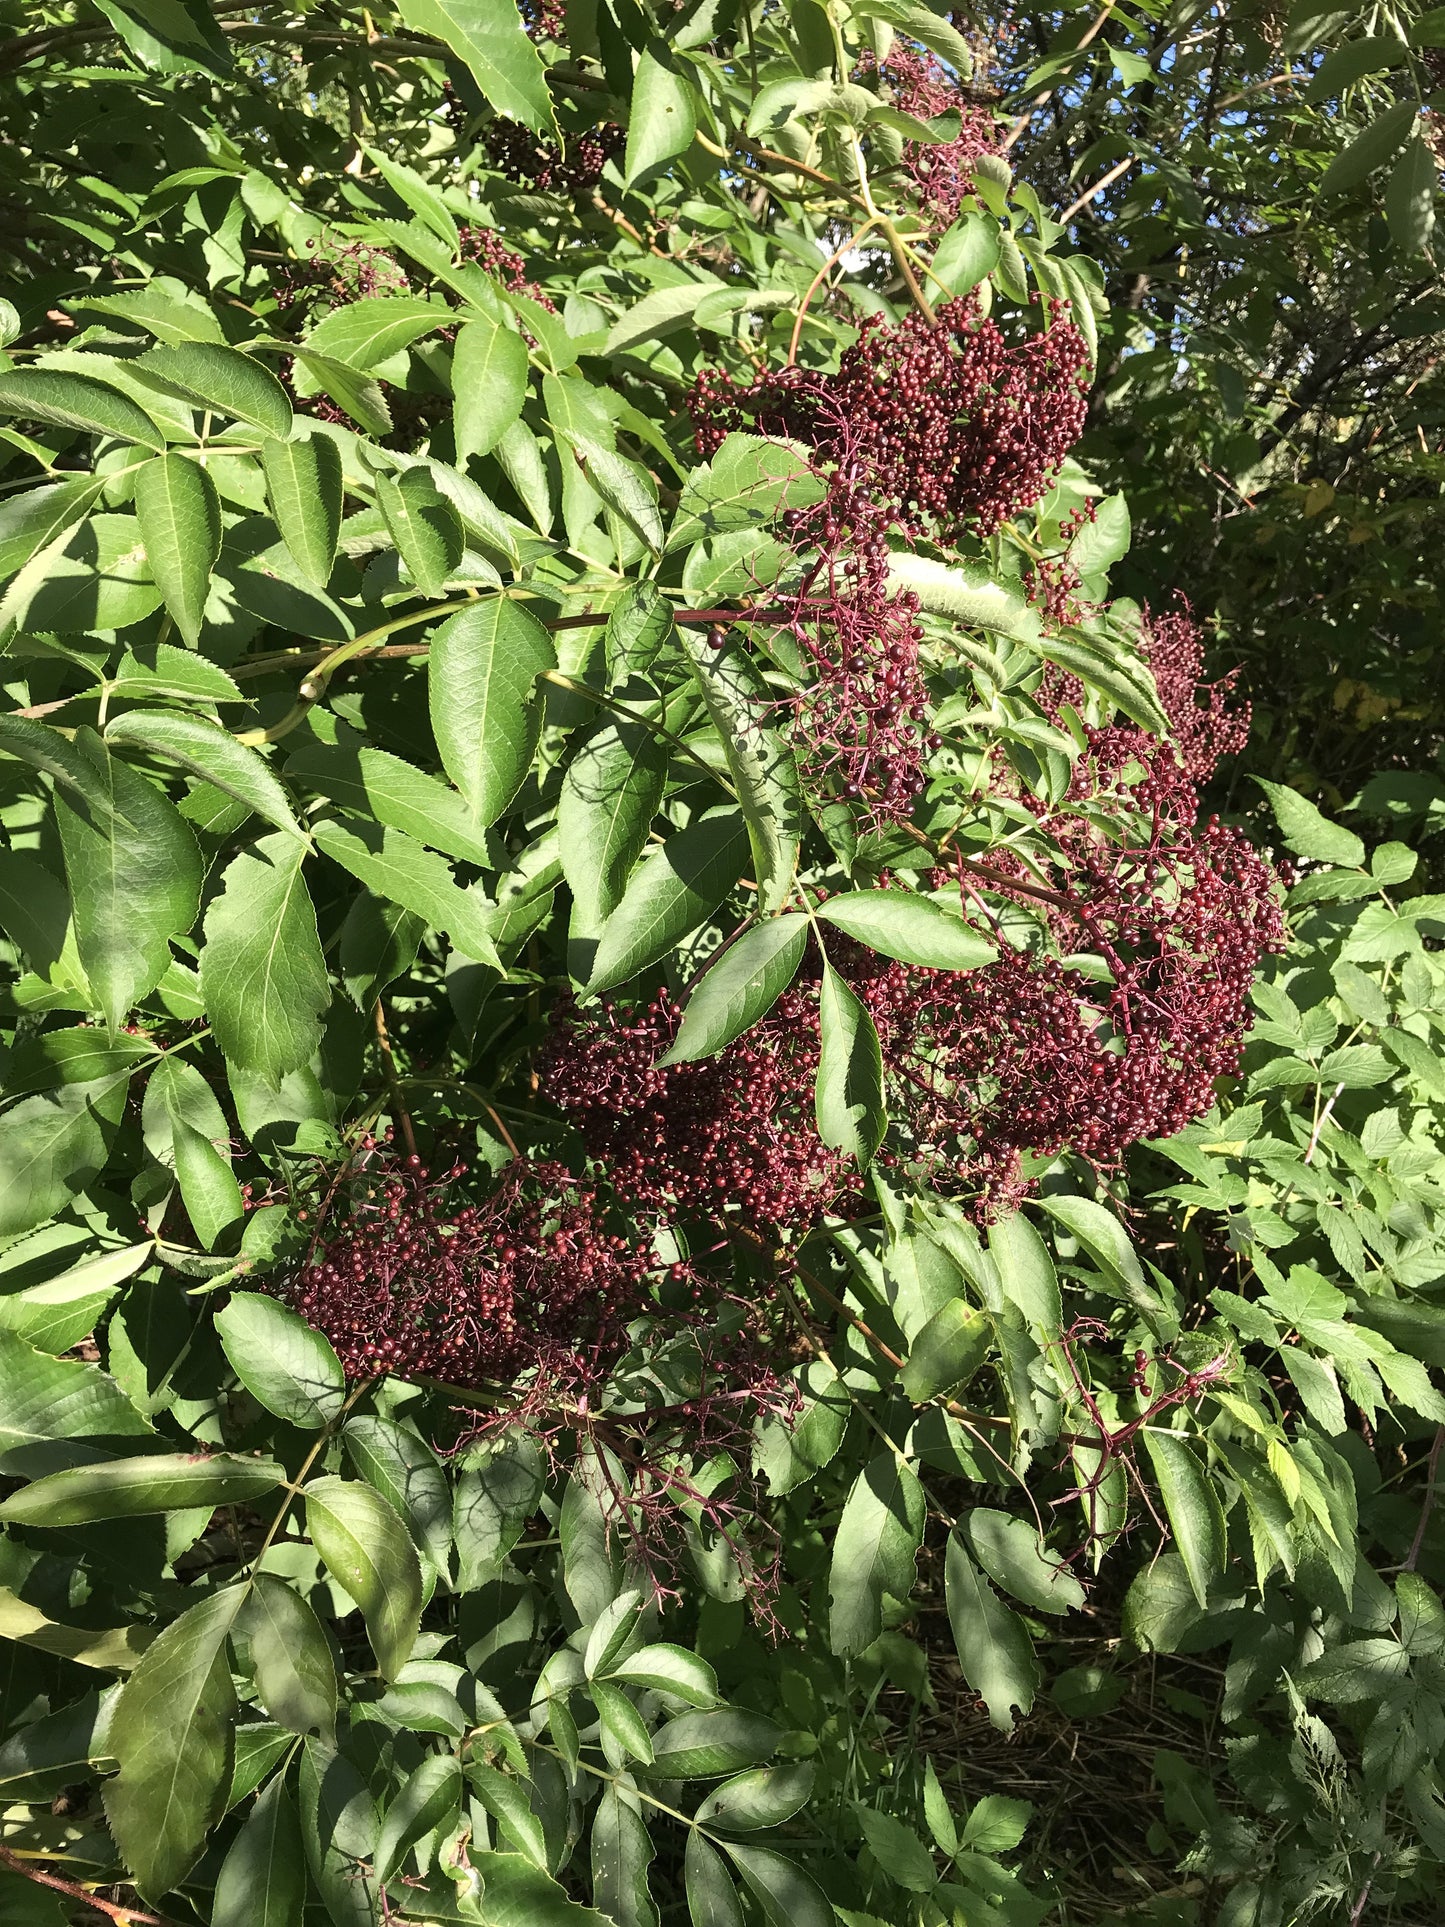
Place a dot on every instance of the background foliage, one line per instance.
(786, 1504)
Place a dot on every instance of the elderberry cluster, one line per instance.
(335, 273)
(490, 252)
(941, 172)
(1110, 1028)
(730, 1137)
(995, 418)
(529, 1278)
(534, 160)
(1034, 1053)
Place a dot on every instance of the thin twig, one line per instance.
(1418, 1541)
(1104, 180)
(1039, 99)
(403, 1115)
(72, 1889)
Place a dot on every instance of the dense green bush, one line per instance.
(680, 1239)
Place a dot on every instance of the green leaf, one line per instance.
(506, 1798)
(44, 1398)
(419, 195)
(368, 1550)
(994, 1648)
(405, 1471)
(290, 1654)
(1009, 1551)
(898, 1851)
(708, 1746)
(712, 1900)
(1193, 1507)
(610, 1633)
(128, 1488)
(947, 1351)
(135, 880)
(262, 972)
(519, 1894)
(662, 312)
(499, 1489)
(663, 1668)
(1363, 1669)
(360, 334)
(1101, 1235)
(489, 382)
(383, 786)
(874, 1550)
(622, 1725)
(912, 928)
(1370, 149)
(789, 1450)
(638, 630)
(1410, 197)
(1104, 540)
(284, 1363)
(56, 756)
(57, 1314)
(223, 381)
(115, 1650)
(262, 1882)
(211, 753)
(430, 1798)
(399, 870)
(610, 794)
(482, 671)
(968, 253)
(209, 1190)
(489, 37)
(849, 1094)
(168, 671)
(786, 1895)
(159, 314)
(677, 886)
(424, 526)
(339, 1829)
(622, 1851)
(749, 481)
(1125, 680)
(76, 401)
(1307, 832)
(45, 1755)
(92, 577)
(172, 1734)
(761, 764)
(304, 488)
(744, 983)
(624, 485)
(33, 519)
(764, 1797)
(353, 391)
(1026, 1272)
(966, 593)
(52, 1146)
(662, 119)
(172, 36)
